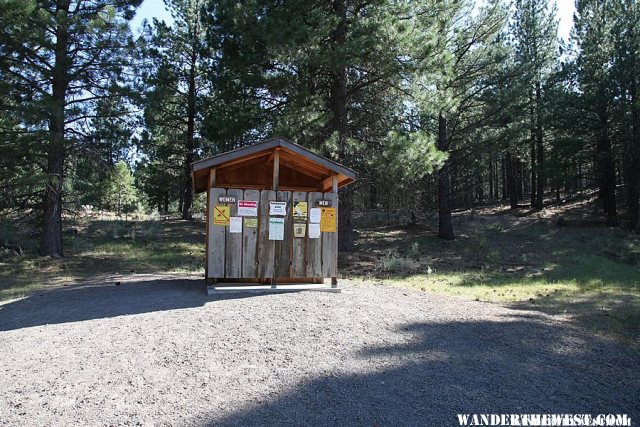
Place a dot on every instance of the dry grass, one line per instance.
(104, 246)
(590, 274)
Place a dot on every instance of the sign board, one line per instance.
(247, 208)
(314, 231)
(299, 229)
(276, 228)
(235, 224)
(300, 211)
(226, 199)
(221, 215)
(328, 220)
(277, 208)
(323, 203)
(314, 215)
(250, 222)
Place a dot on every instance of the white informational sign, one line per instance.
(247, 208)
(314, 230)
(276, 228)
(277, 208)
(314, 215)
(235, 224)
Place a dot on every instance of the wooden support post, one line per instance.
(334, 189)
(211, 182)
(276, 183)
(276, 170)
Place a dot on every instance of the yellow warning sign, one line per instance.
(300, 212)
(221, 215)
(328, 220)
(250, 222)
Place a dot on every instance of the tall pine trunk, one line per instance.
(340, 126)
(633, 171)
(512, 189)
(503, 174)
(606, 169)
(491, 179)
(445, 226)
(532, 144)
(541, 183)
(52, 224)
(187, 187)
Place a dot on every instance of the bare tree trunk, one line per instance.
(187, 187)
(445, 226)
(534, 168)
(373, 196)
(52, 225)
(633, 174)
(539, 149)
(519, 169)
(606, 170)
(511, 180)
(503, 175)
(491, 179)
(340, 125)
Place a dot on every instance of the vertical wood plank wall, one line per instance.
(299, 246)
(250, 241)
(283, 247)
(314, 246)
(266, 247)
(252, 255)
(233, 255)
(216, 244)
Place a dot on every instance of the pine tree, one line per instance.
(594, 21)
(63, 56)
(535, 30)
(176, 86)
(626, 32)
(458, 56)
(121, 193)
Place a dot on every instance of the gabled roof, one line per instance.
(248, 167)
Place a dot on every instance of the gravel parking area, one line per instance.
(157, 350)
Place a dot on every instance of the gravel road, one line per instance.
(158, 351)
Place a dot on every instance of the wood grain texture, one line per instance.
(233, 241)
(299, 247)
(266, 247)
(330, 244)
(283, 248)
(314, 246)
(250, 241)
(216, 239)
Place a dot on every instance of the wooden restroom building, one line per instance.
(272, 214)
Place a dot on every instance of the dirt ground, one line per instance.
(157, 351)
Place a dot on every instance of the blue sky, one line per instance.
(155, 9)
(150, 9)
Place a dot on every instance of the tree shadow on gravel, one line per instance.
(519, 365)
(77, 303)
